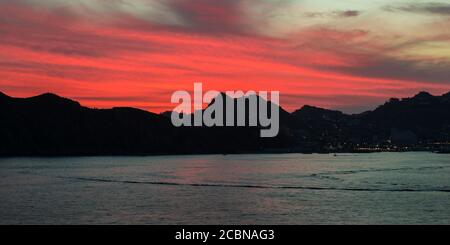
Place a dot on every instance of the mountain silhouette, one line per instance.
(48, 124)
(424, 115)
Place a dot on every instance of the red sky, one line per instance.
(348, 55)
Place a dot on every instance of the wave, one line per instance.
(332, 175)
(256, 186)
(385, 170)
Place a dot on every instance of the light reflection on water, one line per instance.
(381, 188)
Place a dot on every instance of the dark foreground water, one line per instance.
(379, 188)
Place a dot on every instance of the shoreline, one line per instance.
(213, 153)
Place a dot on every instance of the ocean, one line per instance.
(375, 188)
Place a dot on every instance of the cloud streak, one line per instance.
(334, 14)
(422, 8)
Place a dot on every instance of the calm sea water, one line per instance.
(379, 188)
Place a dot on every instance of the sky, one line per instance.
(349, 55)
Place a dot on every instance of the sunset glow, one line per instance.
(348, 55)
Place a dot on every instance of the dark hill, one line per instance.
(424, 115)
(51, 125)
